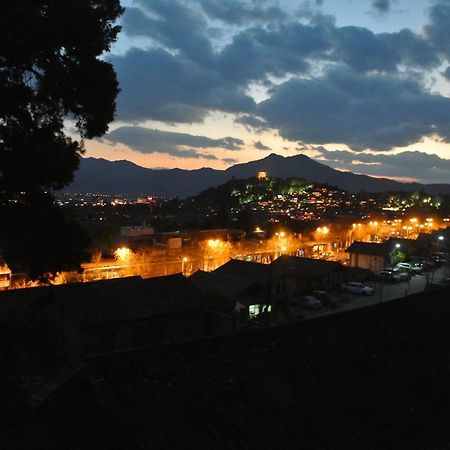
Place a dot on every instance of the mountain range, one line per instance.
(127, 178)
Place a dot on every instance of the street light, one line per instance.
(440, 239)
(183, 262)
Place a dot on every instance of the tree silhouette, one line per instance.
(50, 71)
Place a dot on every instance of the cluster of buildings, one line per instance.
(375, 256)
(310, 204)
(92, 361)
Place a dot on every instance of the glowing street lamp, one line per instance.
(323, 231)
(123, 254)
(213, 243)
(183, 262)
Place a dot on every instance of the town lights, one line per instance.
(213, 243)
(323, 230)
(123, 254)
(183, 262)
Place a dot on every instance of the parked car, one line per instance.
(358, 288)
(405, 266)
(427, 264)
(439, 258)
(310, 302)
(389, 275)
(403, 274)
(326, 298)
(418, 267)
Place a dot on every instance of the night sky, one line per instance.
(361, 85)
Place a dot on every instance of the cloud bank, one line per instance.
(182, 145)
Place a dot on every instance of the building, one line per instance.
(246, 297)
(271, 287)
(75, 320)
(248, 283)
(372, 256)
(294, 276)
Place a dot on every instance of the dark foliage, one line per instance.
(50, 71)
(40, 239)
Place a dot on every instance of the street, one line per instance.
(384, 291)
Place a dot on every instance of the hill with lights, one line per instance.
(124, 177)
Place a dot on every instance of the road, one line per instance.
(384, 292)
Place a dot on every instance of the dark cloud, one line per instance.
(182, 145)
(362, 99)
(381, 6)
(410, 49)
(172, 24)
(229, 160)
(256, 53)
(447, 73)
(438, 30)
(156, 84)
(419, 165)
(260, 146)
(363, 50)
(239, 12)
(364, 111)
(252, 123)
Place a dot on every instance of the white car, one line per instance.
(358, 288)
(389, 275)
(405, 266)
(310, 302)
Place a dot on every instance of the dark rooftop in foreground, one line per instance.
(216, 282)
(370, 248)
(109, 300)
(254, 271)
(306, 267)
(370, 379)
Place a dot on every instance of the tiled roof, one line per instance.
(112, 300)
(256, 272)
(370, 248)
(306, 267)
(216, 282)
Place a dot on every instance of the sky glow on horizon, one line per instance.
(360, 85)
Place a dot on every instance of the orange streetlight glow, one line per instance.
(123, 254)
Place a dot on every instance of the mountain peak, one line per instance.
(273, 156)
(99, 175)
